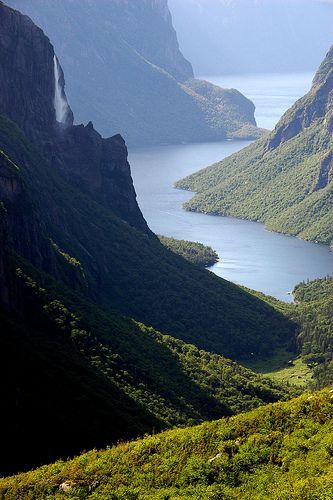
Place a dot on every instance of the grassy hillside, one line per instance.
(284, 179)
(95, 377)
(281, 451)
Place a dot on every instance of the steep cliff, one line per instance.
(100, 168)
(28, 89)
(125, 72)
(147, 27)
(25, 98)
(285, 179)
(315, 105)
(3, 239)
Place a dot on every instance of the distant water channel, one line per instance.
(249, 254)
(272, 93)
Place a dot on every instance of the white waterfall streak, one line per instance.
(60, 104)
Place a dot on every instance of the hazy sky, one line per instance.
(237, 36)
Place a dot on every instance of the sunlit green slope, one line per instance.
(284, 179)
(281, 451)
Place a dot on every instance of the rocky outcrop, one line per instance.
(324, 69)
(325, 174)
(314, 105)
(99, 167)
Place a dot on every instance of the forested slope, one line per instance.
(285, 178)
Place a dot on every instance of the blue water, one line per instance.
(249, 254)
(272, 93)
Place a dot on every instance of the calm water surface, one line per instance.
(249, 254)
(272, 93)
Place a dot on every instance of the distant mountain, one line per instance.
(251, 36)
(286, 178)
(76, 255)
(125, 72)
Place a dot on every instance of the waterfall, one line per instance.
(60, 103)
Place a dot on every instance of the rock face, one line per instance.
(27, 82)
(317, 104)
(125, 72)
(99, 167)
(284, 179)
(21, 227)
(3, 239)
(27, 74)
(147, 26)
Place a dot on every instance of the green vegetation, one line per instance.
(224, 109)
(283, 367)
(285, 178)
(71, 260)
(131, 376)
(254, 185)
(281, 451)
(311, 355)
(315, 314)
(72, 363)
(114, 378)
(314, 290)
(130, 271)
(108, 335)
(298, 373)
(196, 253)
